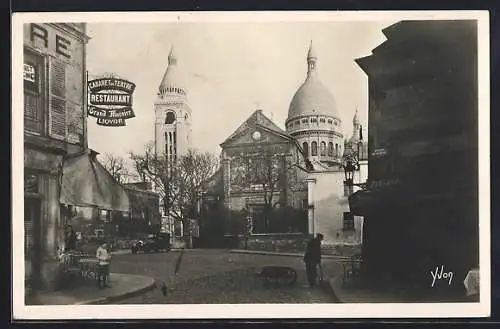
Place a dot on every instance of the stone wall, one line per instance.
(293, 243)
(275, 242)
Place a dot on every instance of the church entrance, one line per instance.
(259, 219)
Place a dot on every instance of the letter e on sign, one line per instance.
(36, 31)
(62, 46)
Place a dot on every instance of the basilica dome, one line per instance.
(312, 97)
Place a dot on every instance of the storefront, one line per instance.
(54, 126)
(93, 200)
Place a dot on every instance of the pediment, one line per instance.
(256, 135)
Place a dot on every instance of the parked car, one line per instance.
(152, 243)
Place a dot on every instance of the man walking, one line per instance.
(312, 258)
(103, 256)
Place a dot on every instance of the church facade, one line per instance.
(263, 172)
(296, 172)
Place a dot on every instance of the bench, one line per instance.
(278, 274)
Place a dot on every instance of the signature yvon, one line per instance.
(441, 275)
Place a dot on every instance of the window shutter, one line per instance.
(57, 99)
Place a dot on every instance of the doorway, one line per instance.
(32, 245)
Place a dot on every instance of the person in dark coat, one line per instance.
(312, 258)
(70, 239)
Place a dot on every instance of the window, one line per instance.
(336, 149)
(322, 120)
(105, 215)
(305, 147)
(314, 120)
(330, 149)
(34, 112)
(336, 123)
(323, 148)
(305, 121)
(170, 118)
(314, 148)
(348, 221)
(31, 183)
(330, 121)
(297, 122)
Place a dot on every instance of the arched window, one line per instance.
(314, 148)
(330, 149)
(336, 150)
(305, 146)
(323, 148)
(170, 118)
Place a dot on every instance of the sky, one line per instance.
(230, 69)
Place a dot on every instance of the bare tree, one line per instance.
(195, 168)
(269, 170)
(178, 181)
(115, 165)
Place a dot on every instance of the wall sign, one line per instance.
(110, 101)
(29, 73)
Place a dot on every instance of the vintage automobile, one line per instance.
(152, 243)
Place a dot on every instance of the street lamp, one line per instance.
(349, 166)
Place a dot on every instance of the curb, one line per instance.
(330, 288)
(121, 252)
(123, 296)
(274, 253)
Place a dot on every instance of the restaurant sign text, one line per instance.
(110, 101)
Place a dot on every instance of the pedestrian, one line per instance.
(104, 257)
(70, 239)
(312, 258)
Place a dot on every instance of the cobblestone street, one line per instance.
(216, 276)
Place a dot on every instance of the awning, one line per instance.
(361, 202)
(86, 183)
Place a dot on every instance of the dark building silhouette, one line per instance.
(421, 201)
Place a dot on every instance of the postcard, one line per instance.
(245, 165)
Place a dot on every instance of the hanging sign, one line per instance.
(110, 101)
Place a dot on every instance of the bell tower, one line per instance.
(173, 132)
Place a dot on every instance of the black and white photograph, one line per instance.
(250, 165)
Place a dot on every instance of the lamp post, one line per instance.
(349, 166)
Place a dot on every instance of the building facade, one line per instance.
(144, 215)
(54, 127)
(421, 202)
